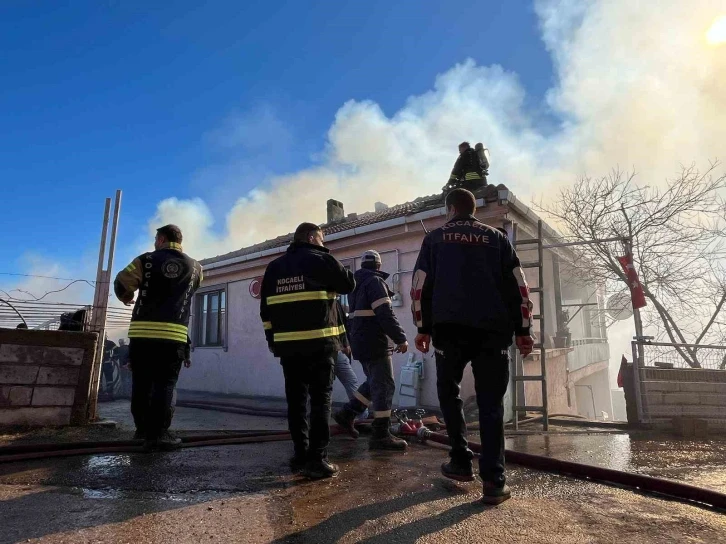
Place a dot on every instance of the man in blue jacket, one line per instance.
(470, 294)
(374, 332)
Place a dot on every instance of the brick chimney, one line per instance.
(335, 211)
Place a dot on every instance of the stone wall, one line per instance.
(45, 377)
(670, 395)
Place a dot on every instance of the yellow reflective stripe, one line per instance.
(381, 413)
(159, 335)
(303, 295)
(174, 245)
(472, 175)
(266, 325)
(453, 177)
(364, 401)
(309, 335)
(158, 326)
(380, 302)
(130, 268)
(363, 313)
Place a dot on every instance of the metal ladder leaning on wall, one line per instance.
(520, 405)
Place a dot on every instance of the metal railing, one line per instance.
(690, 367)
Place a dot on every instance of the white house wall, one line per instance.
(246, 366)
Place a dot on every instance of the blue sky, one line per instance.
(103, 95)
(237, 120)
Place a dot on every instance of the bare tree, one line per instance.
(679, 247)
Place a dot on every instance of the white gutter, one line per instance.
(428, 214)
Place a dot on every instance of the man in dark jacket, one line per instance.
(372, 324)
(305, 329)
(166, 280)
(470, 294)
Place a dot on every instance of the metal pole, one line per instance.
(636, 381)
(102, 311)
(518, 391)
(101, 254)
(587, 242)
(98, 318)
(543, 351)
(558, 292)
(114, 229)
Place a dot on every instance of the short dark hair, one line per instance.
(466, 145)
(172, 233)
(304, 231)
(462, 200)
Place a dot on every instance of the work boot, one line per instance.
(346, 419)
(317, 470)
(298, 461)
(382, 438)
(168, 442)
(495, 494)
(458, 470)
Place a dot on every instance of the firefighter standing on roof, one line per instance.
(470, 295)
(305, 329)
(470, 169)
(372, 323)
(166, 280)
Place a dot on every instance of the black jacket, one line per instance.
(298, 306)
(467, 167)
(371, 318)
(166, 280)
(468, 274)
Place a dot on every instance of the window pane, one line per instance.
(223, 319)
(203, 321)
(213, 318)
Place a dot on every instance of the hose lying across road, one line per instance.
(636, 482)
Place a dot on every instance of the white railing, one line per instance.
(585, 341)
(586, 352)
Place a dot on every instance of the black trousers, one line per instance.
(155, 366)
(377, 391)
(490, 365)
(309, 376)
(107, 369)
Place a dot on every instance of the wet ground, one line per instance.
(247, 494)
(701, 463)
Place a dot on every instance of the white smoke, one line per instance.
(637, 86)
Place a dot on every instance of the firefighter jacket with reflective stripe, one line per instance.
(467, 167)
(373, 327)
(166, 280)
(468, 274)
(299, 308)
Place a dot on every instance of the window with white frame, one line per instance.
(211, 315)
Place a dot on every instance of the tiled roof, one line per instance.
(353, 221)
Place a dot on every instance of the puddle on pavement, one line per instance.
(702, 463)
(105, 462)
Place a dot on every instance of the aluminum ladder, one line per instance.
(520, 405)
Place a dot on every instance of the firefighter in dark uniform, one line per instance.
(372, 322)
(470, 297)
(166, 280)
(305, 329)
(470, 169)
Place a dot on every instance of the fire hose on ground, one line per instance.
(635, 482)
